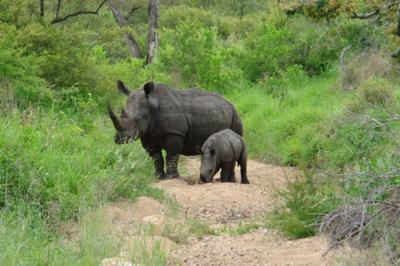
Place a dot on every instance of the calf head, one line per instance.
(135, 119)
(208, 163)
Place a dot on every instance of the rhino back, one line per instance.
(207, 113)
(194, 115)
(229, 145)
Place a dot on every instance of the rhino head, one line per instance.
(208, 163)
(135, 119)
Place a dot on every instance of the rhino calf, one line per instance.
(221, 151)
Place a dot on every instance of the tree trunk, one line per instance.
(41, 3)
(398, 21)
(130, 39)
(152, 35)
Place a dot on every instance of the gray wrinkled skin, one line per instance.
(221, 151)
(177, 121)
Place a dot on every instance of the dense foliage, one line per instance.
(303, 78)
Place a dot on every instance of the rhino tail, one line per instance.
(236, 124)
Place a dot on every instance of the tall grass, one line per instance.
(285, 125)
(53, 168)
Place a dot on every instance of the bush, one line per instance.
(195, 56)
(297, 40)
(66, 170)
(359, 68)
(305, 203)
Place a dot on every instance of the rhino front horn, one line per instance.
(114, 118)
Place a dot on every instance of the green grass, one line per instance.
(288, 129)
(52, 169)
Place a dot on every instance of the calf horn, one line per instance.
(114, 118)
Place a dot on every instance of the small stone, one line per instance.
(115, 261)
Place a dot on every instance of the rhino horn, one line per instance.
(114, 118)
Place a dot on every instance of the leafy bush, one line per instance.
(357, 168)
(305, 203)
(65, 169)
(284, 42)
(195, 55)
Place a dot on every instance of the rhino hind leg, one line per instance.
(243, 167)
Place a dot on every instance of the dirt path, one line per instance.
(227, 204)
(206, 224)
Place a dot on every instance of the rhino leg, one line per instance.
(232, 177)
(172, 166)
(243, 167)
(173, 146)
(159, 164)
(226, 169)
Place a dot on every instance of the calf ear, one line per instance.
(212, 152)
(122, 88)
(148, 87)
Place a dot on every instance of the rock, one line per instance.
(156, 219)
(116, 261)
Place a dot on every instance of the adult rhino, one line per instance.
(177, 121)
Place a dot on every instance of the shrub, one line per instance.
(65, 170)
(359, 68)
(306, 201)
(195, 55)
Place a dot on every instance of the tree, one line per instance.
(130, 38)
(152, 36)
(121, 19)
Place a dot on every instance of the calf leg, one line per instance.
(243, 167)
(232, 177)
(226, 169)
(173, 146)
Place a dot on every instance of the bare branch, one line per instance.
(80, 12)
(133, 9)
(373, 13)
(130, 38)
(366, 15)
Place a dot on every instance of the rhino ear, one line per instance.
(122, 88)
(148, 87)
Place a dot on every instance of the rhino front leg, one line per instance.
(158, 164)
(173, 146)
(225, 172)
(172, 166)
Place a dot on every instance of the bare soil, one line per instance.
(226, 203)
(219, 205)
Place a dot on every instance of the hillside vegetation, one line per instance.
(315, 85)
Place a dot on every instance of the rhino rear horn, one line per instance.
(114, 118)
(122, 88)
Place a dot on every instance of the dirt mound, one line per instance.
(227, 202)
(256, 248)
(121, 217)
(216, 202)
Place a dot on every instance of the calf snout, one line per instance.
(205, 179)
